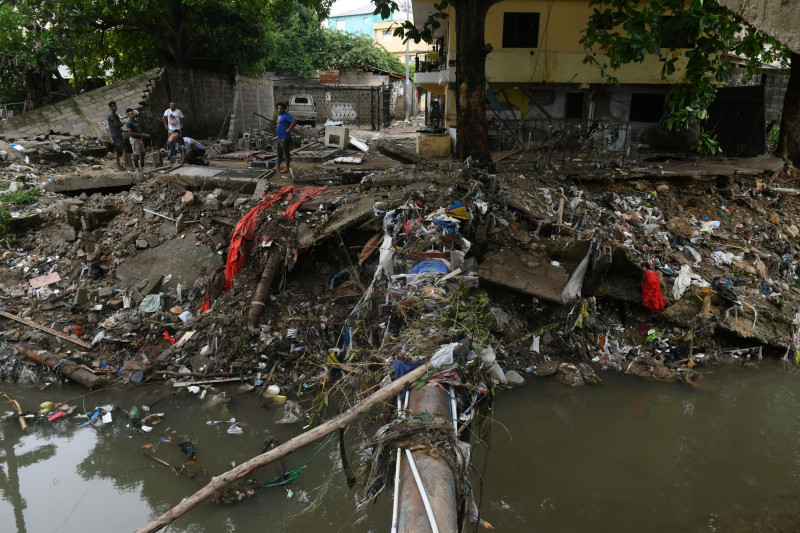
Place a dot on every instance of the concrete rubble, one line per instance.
(125, 261)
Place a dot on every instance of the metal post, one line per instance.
(408, 90)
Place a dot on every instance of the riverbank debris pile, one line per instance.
(113, 271)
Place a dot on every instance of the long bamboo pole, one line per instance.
(223, 480)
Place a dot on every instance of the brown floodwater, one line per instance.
(626, 455)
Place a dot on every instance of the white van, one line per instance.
(303, 108)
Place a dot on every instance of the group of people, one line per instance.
(191, 150)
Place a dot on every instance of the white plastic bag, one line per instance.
(573, 288)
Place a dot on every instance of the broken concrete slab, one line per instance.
(179, 257)
(397, 152)
(523, 272)
(79, 183)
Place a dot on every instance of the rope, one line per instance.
(294, 472)
(55, 369)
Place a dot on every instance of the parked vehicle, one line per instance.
(303, 108)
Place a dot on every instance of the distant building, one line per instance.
(362, 21)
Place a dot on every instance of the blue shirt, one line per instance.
(284, 121)
(187, 144)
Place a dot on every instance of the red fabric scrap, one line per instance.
(244, 231)
(651, 292)
(306, 194)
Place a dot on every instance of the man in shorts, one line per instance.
(137, 137)
(115, 129)
(173, 121)
(285, 125)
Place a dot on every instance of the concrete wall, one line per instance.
(777, 18)
(204, 97)
(85, 113)
(775, 83)
(252, 95)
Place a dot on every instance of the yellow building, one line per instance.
(538, 68)
(383, 33)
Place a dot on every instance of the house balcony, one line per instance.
(435, 81)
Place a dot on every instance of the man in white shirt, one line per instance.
(173, 121)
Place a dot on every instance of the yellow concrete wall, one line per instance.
(396, 46)
(559, 57)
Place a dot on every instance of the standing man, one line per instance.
(285, 125)
(192, 151)
(115, 129)
(173, 121)
(137, 138)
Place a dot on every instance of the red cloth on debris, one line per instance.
(651, 292)
(306, 194)
(244, 231)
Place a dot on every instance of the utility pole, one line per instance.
(408, 89)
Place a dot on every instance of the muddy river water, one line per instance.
(623, 456)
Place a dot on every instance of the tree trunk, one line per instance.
(472, 137)
(789, 141)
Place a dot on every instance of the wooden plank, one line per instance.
(33, 324)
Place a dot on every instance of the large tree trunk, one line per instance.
(472, 137)
(789, 142)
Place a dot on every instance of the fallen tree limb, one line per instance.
(244, 469)
(18, 409)
(66, 368)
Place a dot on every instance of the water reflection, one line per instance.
(624, 456)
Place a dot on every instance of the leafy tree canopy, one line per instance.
(628, 31)
(300, 46)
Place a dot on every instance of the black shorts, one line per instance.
(119, 144)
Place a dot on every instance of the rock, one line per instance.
(514, 378)
(68, 232)
(81, 296)
(792, 230)
(774, 218)
(188, 198)
(152, 240)
(141, 243)
(104, 292)
(546, 369)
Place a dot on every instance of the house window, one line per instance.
(574, 106)
(520, 30)
(647, 107)
(387, 36)
(671, 35)
(341, 25)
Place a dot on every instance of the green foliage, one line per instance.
(5, 220)
(28, 45)
(21, 197)
(628, 31)
(298, 45)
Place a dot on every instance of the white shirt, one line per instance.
(173, 119)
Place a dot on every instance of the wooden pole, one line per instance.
(15, 403)
(223, 480)
(74, 340)
(66, 368)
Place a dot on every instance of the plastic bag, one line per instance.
(573, 288)
(443, 356)
(291, 413)
(489, 360)
(651, 292)
(682, 282)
